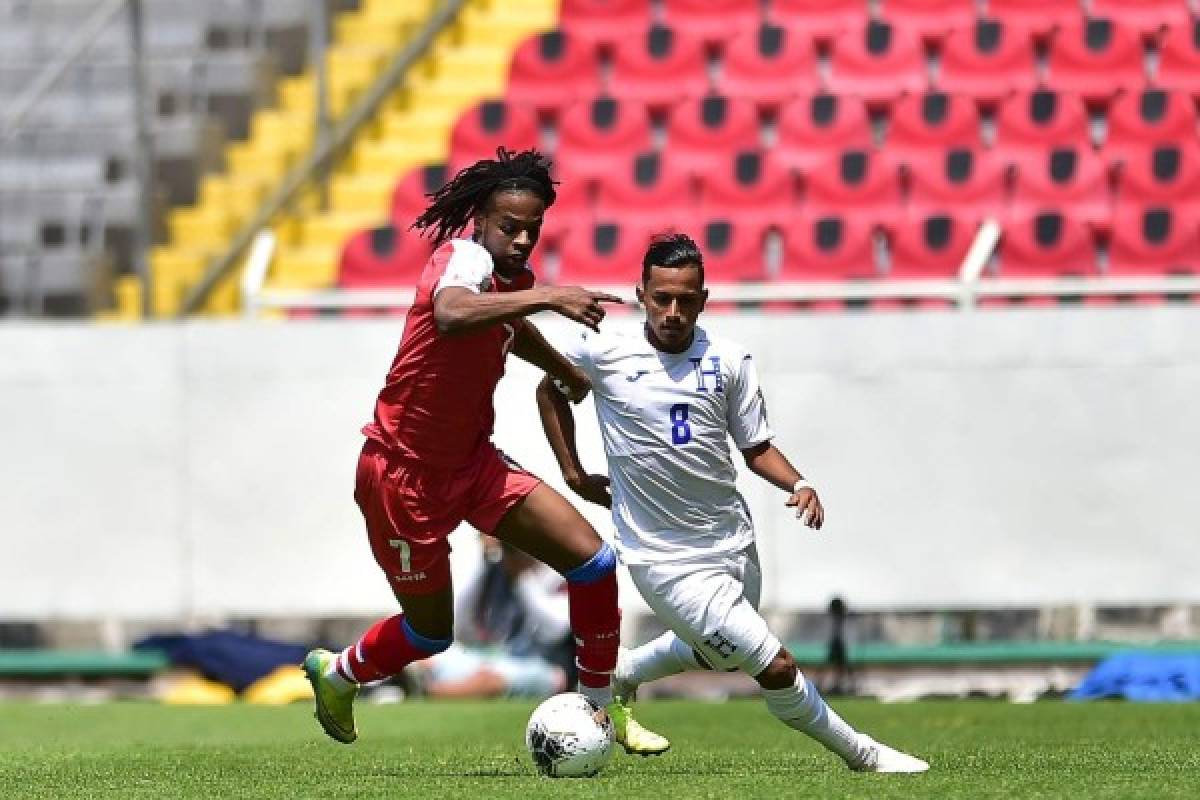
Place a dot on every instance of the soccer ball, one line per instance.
(569, 736)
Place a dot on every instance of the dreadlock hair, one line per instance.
(467, 194)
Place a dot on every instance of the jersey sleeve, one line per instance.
(747, 410)
(577, 347)
(469, 267)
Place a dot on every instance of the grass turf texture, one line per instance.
(978, 749)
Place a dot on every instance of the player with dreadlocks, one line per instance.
(429, 464)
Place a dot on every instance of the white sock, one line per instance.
(801, 706)
(666, 655)
(334, 676)
(601, 697)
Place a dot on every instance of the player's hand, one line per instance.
(576, 387)
(593, 488)
(808, 508)
(582, 305)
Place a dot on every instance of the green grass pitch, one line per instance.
(735, 750)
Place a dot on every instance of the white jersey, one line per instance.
(666, 419)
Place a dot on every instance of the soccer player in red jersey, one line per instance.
(429, 463)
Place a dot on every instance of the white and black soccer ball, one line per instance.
(569, 736)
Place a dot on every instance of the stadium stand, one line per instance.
(878, 62)
(595, 138)
(823, 20)
(1179, 59)
(1168, 175)
(829, 248)
(1040, 17)
(1029, 124)
(1154, 240)
(1139, 121)
(1067, 179)
(814, 128)
(930, 247)
(857, 183)
(659, 68)
(713, 22)
(551, 70)
(703, 131)
(769, 65)
(654, 189)
(1096, 59)
(753, 188)
(1049, 244)
(988, 61)
(959, 179)
(932, 121)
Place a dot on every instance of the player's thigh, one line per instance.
(547, 527)
(707, 607)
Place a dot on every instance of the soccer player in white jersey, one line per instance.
(668, 398)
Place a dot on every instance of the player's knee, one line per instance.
(780, 673)
(439, 642)
(602, 564)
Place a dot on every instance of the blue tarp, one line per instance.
(232, 658)
(1145, 677)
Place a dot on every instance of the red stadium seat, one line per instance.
(604, 22)
(856, 184)
(828, 247)
(1155, 241)
(931, 122)
(823, 20)
(712, 21)
(931, 20)
(572, 207)
(972, 181)
(811, 129)
(1070, 179)
(598, 137)
(1179, 59)
(1140, 121)
(769, 66)
(486, 126)
(931, 247)
(1168, 175)
(1046, 245)
(659, 68)
(1096, 59)
(654, 190)
(1041, 17)
(751, 188)
(383, 257)
(988, 61)
(878, 62)
(1035, 122)
(603, 252)
(409, 198)
(733, 252)
(549, 71)
(702, 132)
(1148, 17)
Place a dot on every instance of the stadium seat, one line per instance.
(604, 22)
(1096, 59)
(931, 20)
(769, 66)
(1140, 121)
(733, 251)
(823, 20)
(1148, 17)
(1046, 245)
(655, 190)
(1038, 121)
(1154, 241)
(751, 187)
(382, 257)
(550, 70)
(828, 247)
(1168, 175)
(932, 121)
(988, 62)
(488, 125)
(1040, 17)
(811, 129)
(702, 132)
(409, 198)
(658, 68)
(972, 181)
(930, 247)
(857, 184)
(595, 138)
(712, 21)
(603, 252)
(1069, 179)
(878, 62)
(1179, 59)
(572, 207)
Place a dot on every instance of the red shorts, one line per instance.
(411, 509)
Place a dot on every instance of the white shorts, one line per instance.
(712, 604)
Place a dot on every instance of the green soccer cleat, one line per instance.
(335, 707)
(630, 734)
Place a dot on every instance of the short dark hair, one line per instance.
(672, 250)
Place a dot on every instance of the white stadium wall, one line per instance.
(965, 460)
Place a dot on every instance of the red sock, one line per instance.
(596, 622)
(385, 650)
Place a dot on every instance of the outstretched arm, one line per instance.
(769, 463)
(531, 346)
(559, 424)
(457, 310)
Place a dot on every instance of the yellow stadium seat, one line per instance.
(418, 123)
(454, 92)
(244, 160)
(313, 267)
(297, 95)
(386, 34)
(473, 60)
(392, 157)
(499, 25)
(241, 195)
(354, 66)
(358, 192)
(177, 263)
(282, 130)
(200, 227)
(397, 10)
(166, 297)
(332, 228)
(225, 297)
(127, 297)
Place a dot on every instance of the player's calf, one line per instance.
(596, 622)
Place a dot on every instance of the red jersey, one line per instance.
(436, 406)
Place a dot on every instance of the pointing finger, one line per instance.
(603, 297)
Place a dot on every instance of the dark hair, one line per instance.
(467, 194)
(672, 250)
